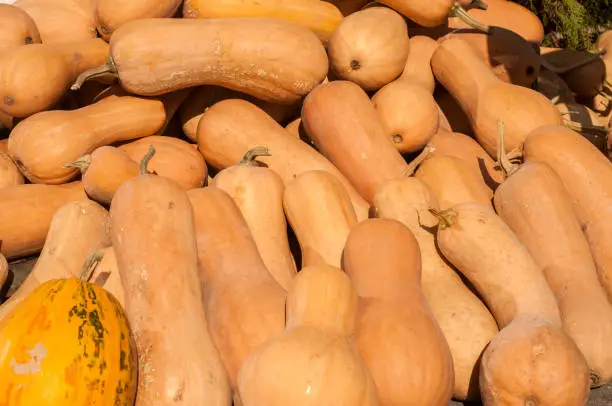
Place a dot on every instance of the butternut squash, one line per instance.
(9, 173)
(418, 67)
(232, 127)
(64, 136)
(348, 7)
(321, 216)
(408, 113)
(4, 273)
(77, 228)
(318, 16)
(369, 47)
(174, 159)
(456, 118)
(414, 366)
(147, 212)
(587, 175)
(547, 225)
(282, 71)
(296, 129)
(321, 310)
(106, 273)
(457, 68)
(112, 14)
(604, 43)
(18, 28)
(465, 321)
(342, 122)
(202, 98)
(4, 145)
(433, 14)
(244, 305)
(61, 21)
(26, 212)
(258, 193)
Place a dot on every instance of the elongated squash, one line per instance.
(4, 272)
(604, 43)
(18, 28)
(456, 309)
(415, 366)
(232, 127)
(244, 305)
(319, 16)
(106, 273)
(321, 310)
(36, 77)
(26, 212)
(147, 212)
(65, 136)
(283, 70)
(9, 173)
(321, 216)
(454, 115)
(432, 13)
(418, 67)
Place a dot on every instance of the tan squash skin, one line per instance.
(343, 123)
(408, 113)
(26, 212)
(532, 362)
(319, 16)
(486, 251)
(465, 148)
(18, 28)
(489, 99)
(36, 77)
(284, 70)
(418, 66)
(369, 47)
(546, 224)
(106, 274)
(321, 216)
(604, 43)
(178, 363)
(174, 159)
(258, 193)
(453, 181)
(65, 136)
(315, 351)
(77, 229)
(4, 271)
(428, 14)
(232, 127)
(9, 173)
(4, 145)
(61, 21)
(587, 175)
(202, 98)
(244, 305)
(458, 121)
(112, 14)
(465, 321)
(414, 366)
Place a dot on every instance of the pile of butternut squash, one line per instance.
(304, 202)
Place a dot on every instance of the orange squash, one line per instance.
(64, 136)
(321, 216)
(348, 7)
(244, 305)
(4, 145)
(604, 43)
(342, 122)
(106, 273)
(418, 67)
(456, 309)
(283, 70)
(319, 16)
(147, 212)
(258, 193)
(414, 366)
(77, 228)
(369, 47)
(452, 112)
(232, 127)
(26, 212)
(9, 173)
(432, 13)
(18, 28)
(409, 132)
(489, 99)
(4, 272)
(202, 98)
(321, 310)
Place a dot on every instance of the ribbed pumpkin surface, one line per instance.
(67, 343)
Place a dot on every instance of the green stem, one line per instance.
(108, 69)
(446, 217)
(249, 159)
(480, 4)
(507, 167)
(89, 266)
(83, 163)
(413, 165)
(459, 12)
(144, 163)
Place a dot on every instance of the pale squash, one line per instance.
(244, 305)
(149, 60)
(178, 363)
(369, 47)
(321, 216)
(106, 273)
(9, 173)
(414, 366)
(18, 28)
(314, 351)
(26, 212)
(418, 67)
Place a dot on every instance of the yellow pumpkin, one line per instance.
(67, 343)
